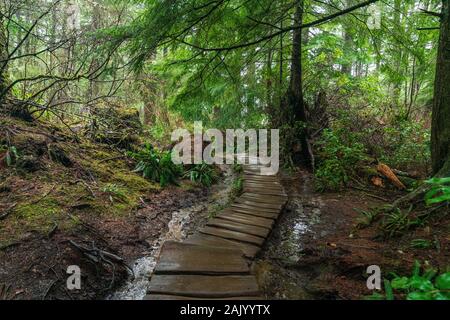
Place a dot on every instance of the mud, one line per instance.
(316, 252)
(182, 223)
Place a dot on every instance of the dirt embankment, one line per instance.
(317, 252)
(55, 190)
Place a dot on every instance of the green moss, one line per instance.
(43, 208)
(134, 181)
(37, 215)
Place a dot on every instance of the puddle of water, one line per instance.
(297, 224)
(178, 227)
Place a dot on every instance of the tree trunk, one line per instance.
(3, 59)
(346, 66)
(294, 103)
(440, 128)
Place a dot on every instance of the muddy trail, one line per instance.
(183, 222)
(316, 250)
(34, 266)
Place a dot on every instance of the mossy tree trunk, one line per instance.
(440, 128)
(294, 103)
(3, 59)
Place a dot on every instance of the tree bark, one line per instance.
(294, 102)
(3, 57)
(440, 127)
(346, 67)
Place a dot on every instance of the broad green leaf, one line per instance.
(421, 283)
(443, 281)
(400, 283)
(416, 295)
(388, 290)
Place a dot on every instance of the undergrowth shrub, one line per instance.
(338, 153)
(406, 145)
(203, 173)
(426, 285)
(156, 165)
(439, 192)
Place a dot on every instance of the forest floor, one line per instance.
(86, 192)
(316, 251)
(93, 199)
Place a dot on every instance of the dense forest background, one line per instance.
(220, 61)
(359, 89)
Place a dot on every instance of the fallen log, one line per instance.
(390, 175)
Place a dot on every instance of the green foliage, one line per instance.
(156, 165)
(401, 140)
(236, 188)
(397, 222)
(115, 192)
(203, 173)
(421, 244)
(11, 154)
(366, 217)
(439, 192)
(425, 286)
(237, 168)
(418, 286)
(339, 153)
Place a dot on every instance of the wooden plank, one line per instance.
(233, 235)
(252, 207)
(264, 184)
(178, 257)
(254, 212)
(247, 219)
(267, 197)
(255, 203)
(264, 192)
(263, 198)
(240, 227)
(204, 286)
(248, 250)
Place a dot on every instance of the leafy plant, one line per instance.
(339, 152)
(201, 173)
(11, 155)
(421, 243)
(114, 192)
(397, 222)
(237, 168)
(366, 217)
(156, 165)
(236, 188)
(439, 192)
(426, 286)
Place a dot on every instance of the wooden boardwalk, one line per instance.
(215, 262)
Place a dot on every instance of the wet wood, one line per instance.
(246, 219)
(233, 235)
(256, 203)
(253, 207)
(214, 262)
(204, 286)
(240, 227)
(248, 250)
(179, 257)
(254, 212)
